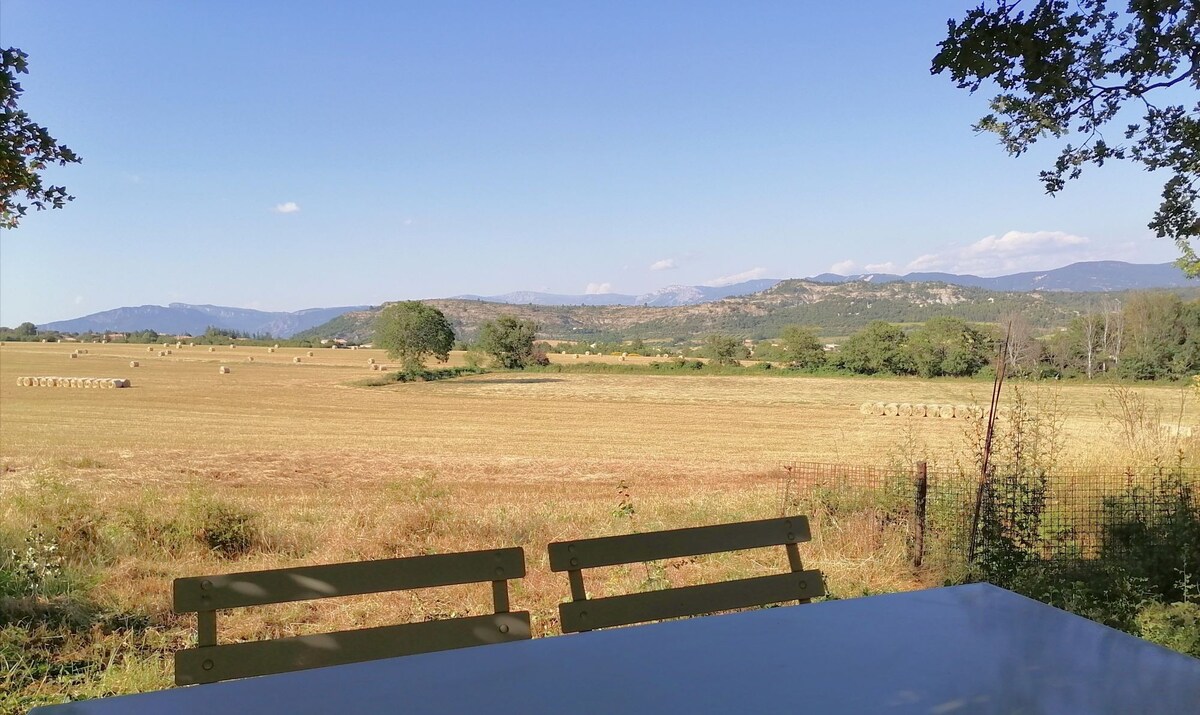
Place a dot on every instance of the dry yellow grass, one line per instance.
(337, 472)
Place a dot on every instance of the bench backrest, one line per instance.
(583, 614)
(205, 595)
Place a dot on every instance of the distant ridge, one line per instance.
(1086, 276)
(661, 298)
(182, 318)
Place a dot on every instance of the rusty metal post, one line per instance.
(922, 480)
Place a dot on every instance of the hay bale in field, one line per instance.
(877, 409)
(310, 353)
(212, 350)
(270, 350)
(178, 344)
(963, 412)
(370, 361)
(576, 356)
(560, 352)
(296, 359)
(162, 353)
(919, 410)
(249, 358)
(891, 409)
(232, 346)
(74, 355)
(933, 411)
(622, 358)
(149, 348)
(906, 410)
(946, 412)
(223, 370)
(864, 408)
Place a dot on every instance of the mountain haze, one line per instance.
(182, 318)
(1077, 277)
(671, 295)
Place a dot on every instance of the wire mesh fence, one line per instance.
(955, 517)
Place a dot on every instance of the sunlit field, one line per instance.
(133, 483)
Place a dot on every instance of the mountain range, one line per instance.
(182, 318)
(1077, 278)
(663, 297)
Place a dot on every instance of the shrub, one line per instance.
(1174, 625)
(224, 528)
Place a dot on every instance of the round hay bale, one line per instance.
(275, 347)
(864, 408)
(622, 358)
(178, 344)
(963, 412)
(212, 350)
(370, 361)
(223, 370)
(270, 350)
(918, 410)
(560, 352)
(877, 409)
(250, 358)
(162, 353)
(232, 346)
(169, 352)
(296, 359)
(946, 412)
(891, 409)
(310, 353)
(134, 363)
(906, 409)
(933, 411)
(149, 348)
(73, 356)
(576, 356)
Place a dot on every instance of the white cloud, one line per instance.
(665, 264)
(598, 288)
(738, 277)
(1011, 252)
(888, 267)
(287, 207)
(843, 268)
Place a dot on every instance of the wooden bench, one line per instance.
(205, 595)
(583, 614)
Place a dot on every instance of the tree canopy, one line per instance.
(26, 149)
(509, 341)
(412, 331)
(1067, 69)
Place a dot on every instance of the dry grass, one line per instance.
(330, 472)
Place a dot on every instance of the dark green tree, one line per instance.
(26, 149)
(877, 348)
(26, 329)
(412, 331)
(1067, 69)
(948, 346)
(801, 347)
(509, 340)
(724, 350)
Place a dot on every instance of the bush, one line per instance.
(224, 528)
(1174, 625)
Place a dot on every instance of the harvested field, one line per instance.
(327, 471)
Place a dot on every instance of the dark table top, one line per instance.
(965, 649)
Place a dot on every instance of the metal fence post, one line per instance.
(922, 483)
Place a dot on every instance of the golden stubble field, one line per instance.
(330, 471)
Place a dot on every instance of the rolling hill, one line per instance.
(835, 309)
(182, 318)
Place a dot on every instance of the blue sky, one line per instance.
(285, 155)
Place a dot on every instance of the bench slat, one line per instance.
(256, 588)
(244, 660)
(634, 548)
(578, 616)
